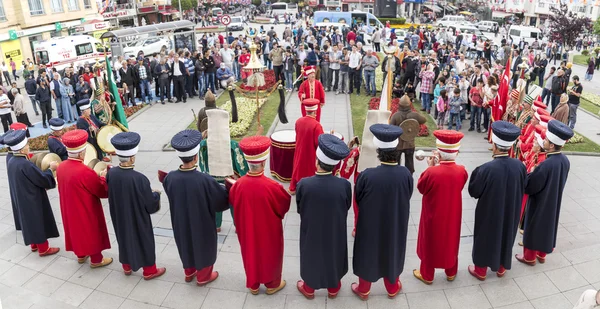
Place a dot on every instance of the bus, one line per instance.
(358, 18)
(61, 52)
(281, 8)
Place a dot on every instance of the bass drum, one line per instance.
(90, 153)
(104, 136)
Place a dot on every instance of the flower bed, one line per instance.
(374, 104)
(210, 29)
(593, 98)
(40, 143)
(246, 113)
(269, 82)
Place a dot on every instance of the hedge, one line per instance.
(393, 21)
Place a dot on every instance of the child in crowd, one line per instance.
(455, 103)
(397, 90)
(410, 91)
(441, 108)
(439, 86)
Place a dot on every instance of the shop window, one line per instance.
(57, 6)
(2, 14)
(87, 4)
(73, 5)
(35, 7)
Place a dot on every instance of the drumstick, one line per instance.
(195, 118)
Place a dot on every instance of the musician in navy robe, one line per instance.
(28, 185)
(545, 187)
(91, 124)
(131, 201)
(498, 186)
(323, 201)
(15, 211)
(194, 200)
(55, 144)
(383, 198)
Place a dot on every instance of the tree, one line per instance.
(566, 26)
(256, 2)
(597, 27)
(185, 4)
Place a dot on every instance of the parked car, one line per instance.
(486, 25)
(150, 46)
(236, 24)
(450, 20)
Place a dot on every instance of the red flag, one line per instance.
(499, 102)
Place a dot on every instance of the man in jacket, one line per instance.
(179, 71)
(143, 75)
(161, 71)
(276, 56)
(128, 79)
(559, 84)
(31, 88)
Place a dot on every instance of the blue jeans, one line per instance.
(370, 82)
(201, 84)
(475, 117)
(58, 103)
(588, 77)
(546, 96)
(67, 115)
(145, 88)
(236, 70)
(454, 116)
(426, 101)
(267, 61)
(210, 81)
(289, 79)
(189, 85)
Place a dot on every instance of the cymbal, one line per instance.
(105, 134)
(99, 167)
(93, 163)
(38, 161)
(90, 153)
(49, 158)
(35, 157)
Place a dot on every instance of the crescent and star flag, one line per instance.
(499, 102)
(119, 112)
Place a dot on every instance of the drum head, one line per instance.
(104, 135)
(49, 158)
(38, 161)
(93, 163)
(284, 136)
(90, 153)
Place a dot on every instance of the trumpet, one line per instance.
(421, 155)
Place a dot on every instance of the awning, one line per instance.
(450, 8)
(497, 14)
(465, 13)
(433, 8)
(174, 12)
(530, 15)
(165, 13)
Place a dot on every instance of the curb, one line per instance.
(590, 113)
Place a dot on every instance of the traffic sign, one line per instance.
(225, 20)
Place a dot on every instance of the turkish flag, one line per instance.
(499, 102)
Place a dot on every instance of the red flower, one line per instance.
(269, 82)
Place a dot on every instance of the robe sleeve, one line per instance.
(348, 195)
(536, 180)
(58, 148)
(40, 179)
(359, 189)
(151, 199)
(282, 201)
(318, 131)
(423, 183)
(299, 197)
(476, 184)
(321, 93)
(240, 166)
(219, 199)
(301, 91)
(95, 185)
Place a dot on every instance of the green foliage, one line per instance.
(597, 26)
(585, 52)
(597, 50)
(256, 2)
(393, 21)
(185, 4)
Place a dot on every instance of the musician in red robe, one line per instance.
(526, 139)
(308, 130)
(259, 205)
(80, 190)
(536, 156)
(441, 216)
(312, 89)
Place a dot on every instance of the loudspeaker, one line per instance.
(385, 8)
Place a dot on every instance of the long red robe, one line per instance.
(533, 160)
(439, 228)
(308, 130)
(80, 191)
(259, 206)
(244, 59)
(312, 90)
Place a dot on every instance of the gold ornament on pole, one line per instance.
(255, 67)
(389, 51)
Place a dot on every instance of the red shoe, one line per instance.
(392, 296)
(159, 272)
(362, 296)
(354, 233)
(189, 278)
(332, 295)
(50, 251)
(300, 286)
(34, 249)
(128, 272)
(500, 274)
(471, 269)
(522, 259)
(213, 277)
(542, 260)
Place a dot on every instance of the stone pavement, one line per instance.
(56, 282)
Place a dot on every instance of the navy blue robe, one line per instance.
(131, 201)
(194, 199)
(498, 186)
(57, 147)
(15, 211)
(383, 198)
(84, 125)
(323, 202)
(545, 187)
(28, 185)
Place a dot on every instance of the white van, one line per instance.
(61, 52)
(486, 25)
(281, 8)
(237, 23)
(517, 33)
(450, 19)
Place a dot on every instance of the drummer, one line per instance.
(55, 144)
(312, 89)
(308, 130)
(91, 125)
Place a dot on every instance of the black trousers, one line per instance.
(354, 79)
(409, 159)
(278, 69)
(179, 87)
(377, 47)
(6, 121)
(130, 97)
(24, 119)
(300, 80)
(46, 108)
